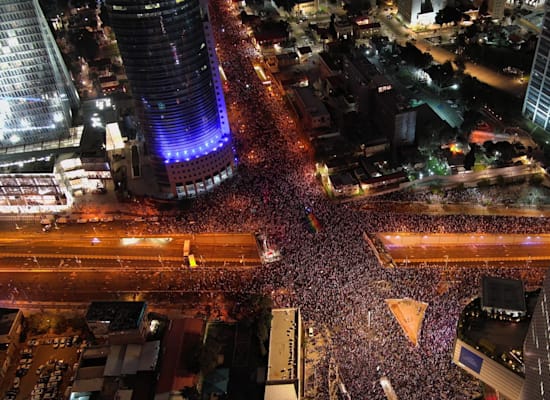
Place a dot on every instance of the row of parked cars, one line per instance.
(25, 362)
(50, 377)
(58, 342)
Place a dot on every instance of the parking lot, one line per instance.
(45, 368)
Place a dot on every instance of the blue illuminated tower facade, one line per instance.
(536, 105)
(37, 95)
(168, 53)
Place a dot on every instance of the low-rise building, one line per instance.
(11, 320)
(314, 114)
(284, 365)
(304, 8)
(108, 371)
(491, 336)
(365, 26)
(343, 28)
(118, 322)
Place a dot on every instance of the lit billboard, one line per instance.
(471, 360)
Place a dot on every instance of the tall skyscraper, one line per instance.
(537, 349)
(36, 91)
(168, 52)
(536, 105)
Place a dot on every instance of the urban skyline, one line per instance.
(385, 171)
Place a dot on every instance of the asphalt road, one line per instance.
(76, 263)
(467, 249)
(106, 243)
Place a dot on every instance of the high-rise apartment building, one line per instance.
(536, 105)
(168, 52)
(37, 95)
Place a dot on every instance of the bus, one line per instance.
(192, 261)
(186, 246)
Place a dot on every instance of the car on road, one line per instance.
(33, 342)
(56, 343)
(40, 369)
(16, 382)
(62, 343)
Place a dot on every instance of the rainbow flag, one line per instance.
(313, 224)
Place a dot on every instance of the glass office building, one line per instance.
(37, 95)
(537, 349)
(536, 105)
(168, 53)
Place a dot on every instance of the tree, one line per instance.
(190, 393)
(356, 7)
(484, 8)
(257, 312)
(536, 180)
(286, 5)
(460, 63)
(85, 43)
(208, 356)
(470, 159)
(448, 14)
(104, 15)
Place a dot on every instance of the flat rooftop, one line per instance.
(7, 317)
(121, 315)
(494, 337)
(283, 338)
(504, 294)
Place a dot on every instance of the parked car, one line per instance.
(40, 369)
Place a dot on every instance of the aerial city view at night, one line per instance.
(274, 199)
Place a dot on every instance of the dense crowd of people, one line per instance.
(332, 275)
